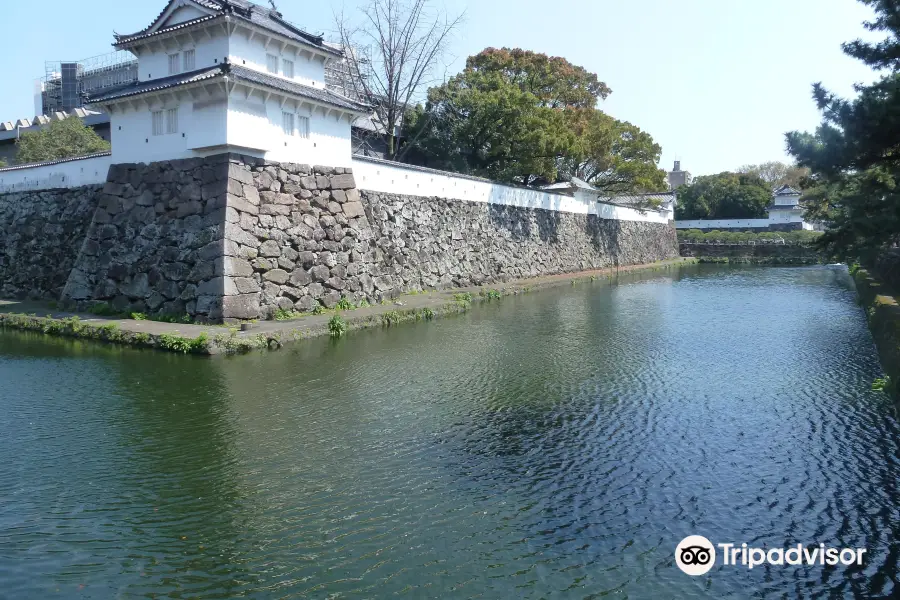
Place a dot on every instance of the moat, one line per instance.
(557, 444)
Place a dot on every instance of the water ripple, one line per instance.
(556, 445)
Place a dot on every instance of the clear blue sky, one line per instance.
(716, 82)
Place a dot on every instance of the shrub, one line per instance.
(337, 327)
(344, 304)
(285, 315)
(390, 318)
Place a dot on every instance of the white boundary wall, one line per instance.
(391, 178)
(722, 223)
(740, 223)
(71, 173)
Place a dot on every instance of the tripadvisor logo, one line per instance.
(696, 555)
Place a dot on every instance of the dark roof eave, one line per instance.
(129, 41)
(225, 74)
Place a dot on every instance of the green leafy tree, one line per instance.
(777, 174)
(854, 154)
(520, 116)
(614, 156)
(724, 196)
(66, 138)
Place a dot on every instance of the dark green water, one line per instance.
(555, 445)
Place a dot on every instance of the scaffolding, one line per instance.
(65, 82)
(349, 75)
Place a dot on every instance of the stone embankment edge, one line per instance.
(883, 316)
(211, 340)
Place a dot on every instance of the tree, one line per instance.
(777, 174)
(854, 155)
(524, 117)
(614, 156)
(481, 124)
(724, 196)
(66, 138)
(409, 39)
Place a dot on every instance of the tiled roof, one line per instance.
(142, 87)
(244, 10)
(120, 40)
(320, 94)
(786, 190)
(639, 199)
(53, 162)
(238, 73)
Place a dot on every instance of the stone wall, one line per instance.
(155, 242)
(233, 237)
(41, 233)
(298, 236)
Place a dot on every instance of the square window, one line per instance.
(288, 68)
(303, 127)
(173, 64)
(189, 60)
(157, 122)
(172, 120)
(287, 123)
(272, 63)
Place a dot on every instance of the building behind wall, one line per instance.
(217, 76)
(65, 83)
(677, 178)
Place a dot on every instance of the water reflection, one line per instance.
(556, 444)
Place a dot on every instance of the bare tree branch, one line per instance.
(409, 38)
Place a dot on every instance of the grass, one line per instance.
(882, 384)
(345, 304)
(491, 294)
(282, 314)
(184, 345)
(390, 318)
(337, 326)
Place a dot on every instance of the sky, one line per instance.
(717, 83)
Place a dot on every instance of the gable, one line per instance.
(181, 14)
(176, 12)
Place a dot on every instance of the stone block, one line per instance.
(242, 306)
(300, 278)
(242, 205)
(306, 304)
(331, 299)
(246, 285)
(240, 174)
(279, 276)
(335, 283)
(319, 273)
(191, 207)
(275, 209)
(343, 182)
(270, 248)
(353, 210)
